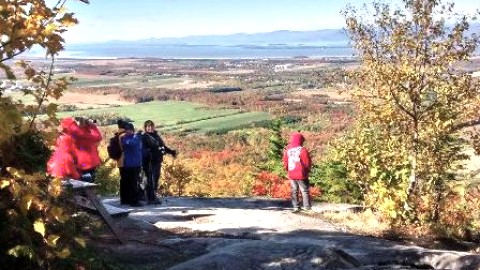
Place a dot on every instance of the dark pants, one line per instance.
(129, 185)
(152, 172)
(303, 184)
(88, 175)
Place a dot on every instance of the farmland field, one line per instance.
(179, 116)
(80, 100)
(128, 81)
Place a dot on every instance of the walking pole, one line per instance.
(172, 163)
(152, 184)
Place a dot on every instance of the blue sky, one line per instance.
(104, 20)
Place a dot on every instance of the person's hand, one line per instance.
(81, 121)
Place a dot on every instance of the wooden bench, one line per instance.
(88, 204)
(84, 196)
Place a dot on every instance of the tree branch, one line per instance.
(463, 125)
(399, 105)
(12, 56)
(44, 95)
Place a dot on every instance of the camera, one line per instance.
(83, 121)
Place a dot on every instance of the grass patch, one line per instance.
(180, 116)
(225, 123)
(368, 222)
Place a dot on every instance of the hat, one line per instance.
(129, 126)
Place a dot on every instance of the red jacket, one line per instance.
(62, 162)
(296, 158)
(86, 139)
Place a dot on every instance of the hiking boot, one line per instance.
(156, 202)
(136, 204)
(296, 210)
(308, 211)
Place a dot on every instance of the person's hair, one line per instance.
(148, 123)
(120, 123)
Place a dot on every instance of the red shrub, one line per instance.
(271, 185)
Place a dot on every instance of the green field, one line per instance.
(130, 81)
(180, 116)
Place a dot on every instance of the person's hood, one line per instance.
(67, 123)
(296, 139)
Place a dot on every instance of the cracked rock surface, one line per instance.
(256, 233)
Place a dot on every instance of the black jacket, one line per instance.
(154, 148)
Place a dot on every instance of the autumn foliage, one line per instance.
(414, 100)
(34, 225)
(271, 185)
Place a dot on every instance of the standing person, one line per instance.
(130, 165)
(117, 141)
(62, 163)
(297, 162)
(153, 151)
(86, 136)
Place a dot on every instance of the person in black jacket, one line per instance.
(153, 151)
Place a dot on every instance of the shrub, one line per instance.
(175, 179)
(104, 119)
(225, 89)
(271, 185)
(330, 176)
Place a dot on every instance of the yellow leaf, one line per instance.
(64, 253)
(39, 227)
(26, 203)
(459, 189)
(4, 184)
(52, 240)
(392, 214)
(57, 212)
(50, 29)
(81, 241)
(68, 20)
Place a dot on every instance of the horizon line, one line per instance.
(205, 35)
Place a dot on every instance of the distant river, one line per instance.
(202, 52)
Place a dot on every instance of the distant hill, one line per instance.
(277, 44)
(326, 37)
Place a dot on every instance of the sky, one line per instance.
(106, 20)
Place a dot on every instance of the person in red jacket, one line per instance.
(86, 137)
(62, 162)
(297, 162)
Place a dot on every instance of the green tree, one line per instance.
(31, 221)
(277, 144)
(413, 99)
